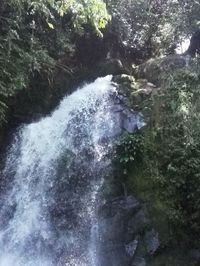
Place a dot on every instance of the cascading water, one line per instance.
(55, 169)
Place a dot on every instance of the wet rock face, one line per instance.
(129, 120)
(152, 241)
(131, 101)
(122, 230)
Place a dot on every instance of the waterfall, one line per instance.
(55, 168)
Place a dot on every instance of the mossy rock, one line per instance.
(120, 79)
(134, 92)
(155, 69)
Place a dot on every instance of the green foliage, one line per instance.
(172, 152)
(35, 33)
(84, 12)
(21, 54)
(154, 27)
(93, 12)
(163, 167)
(179, 149)
(129, 150)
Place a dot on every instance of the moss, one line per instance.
(173, 250)
(140, 183)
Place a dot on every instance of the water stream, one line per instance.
(55, 169)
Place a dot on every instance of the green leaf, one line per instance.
(51, 26)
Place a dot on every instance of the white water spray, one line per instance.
(56, 167)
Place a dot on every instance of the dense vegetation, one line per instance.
(177, 140)
(155, 27)
(39, 37)
(35, 34)
(161, 164)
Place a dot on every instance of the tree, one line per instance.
(35, 33)
(153, 26)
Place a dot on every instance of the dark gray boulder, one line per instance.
(131, 247)
(122, 225)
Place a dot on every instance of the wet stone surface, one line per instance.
(122, 228)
